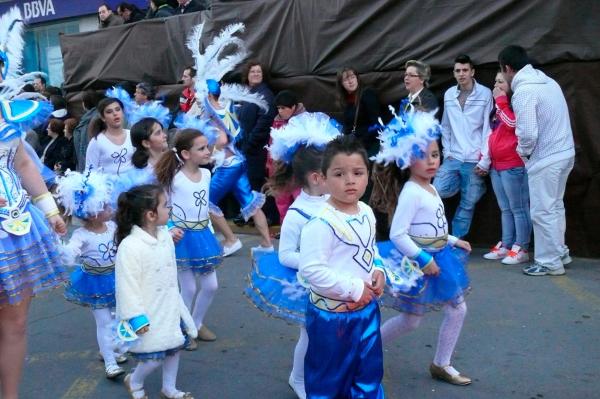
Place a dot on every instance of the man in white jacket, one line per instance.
(465, 131)
(545, 142)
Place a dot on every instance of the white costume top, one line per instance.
(10, 183)
(146, 284)
(190, 199)
(113, 159)
(92, 249)
(294, 221)
(419, 221)
(338, 251)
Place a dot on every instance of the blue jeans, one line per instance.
(512, 192)
(452, 177)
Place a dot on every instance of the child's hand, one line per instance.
(367, 296)
(432, 270)
(177, 234)
(378, 283)
(463, 244)
(58, 224)
(143, 330)
(2, 201)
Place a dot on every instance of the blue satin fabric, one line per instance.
(235, 179)
(344, 357)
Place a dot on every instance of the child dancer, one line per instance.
(197, 250)
(338, 257)
(297, 150)
(419, 231)
(147, 293)
(93, 284)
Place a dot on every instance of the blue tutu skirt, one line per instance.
(275, 289)
(432, 292)
(30, 263)
(92, 290)
(198, 250)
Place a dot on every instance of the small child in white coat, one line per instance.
(147, 292)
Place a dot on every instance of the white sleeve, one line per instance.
(408, 205)
(526, 130)
(93, 154)
(316, 248)
(128, 276)
(446, 133)
(71, 251)
(292, 225)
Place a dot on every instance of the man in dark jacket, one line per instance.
(129, 12)
(106, 18)
(80, 133)
(188, 6)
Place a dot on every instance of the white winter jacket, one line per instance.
(465, 131)
(146, 285)
(543, 127)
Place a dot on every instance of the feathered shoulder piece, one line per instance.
(11, 53)
(407, 137)
(306, 129)
(221, 56)
(84, 194)
(201, 123)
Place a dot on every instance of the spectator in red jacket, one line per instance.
(188, 96)
(509, 180)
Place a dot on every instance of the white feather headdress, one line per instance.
(306, 129)
(84, 194)
(213, 64)
(407, 137)
(135, 113)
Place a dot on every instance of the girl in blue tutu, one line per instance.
(92, 248)
(297, 150)
(419, 231)
(197, 250)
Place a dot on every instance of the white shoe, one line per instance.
(119, 357)
(113, 371)
(259, 250)
(297, 388)
(233, 248)
(515, 256)
(497, 252)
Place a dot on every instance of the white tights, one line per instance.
(299, 354)
(454, 316)
(104, 325)
(204, 296)
(170, 366)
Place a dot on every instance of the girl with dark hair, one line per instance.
(110, 145)
(274, 286)
(197, 250)
(150, 142)
(419, 232)
(361, 108)
(146, 260)
(339, 260)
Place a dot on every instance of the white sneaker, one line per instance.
(113, 371)
(233, 248)
(515, 256)
(497, 252)
(297, 388)
(566, 259)
(258, 250)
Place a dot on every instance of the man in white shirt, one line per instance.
(545, 142)
(465, 131)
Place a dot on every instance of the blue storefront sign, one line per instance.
(35, 11)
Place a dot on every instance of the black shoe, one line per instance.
(239, 221)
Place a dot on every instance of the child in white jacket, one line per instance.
(146, 289)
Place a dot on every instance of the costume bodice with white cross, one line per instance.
(189, 199)
(10, 183)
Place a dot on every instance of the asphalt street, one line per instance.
(524, 337)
